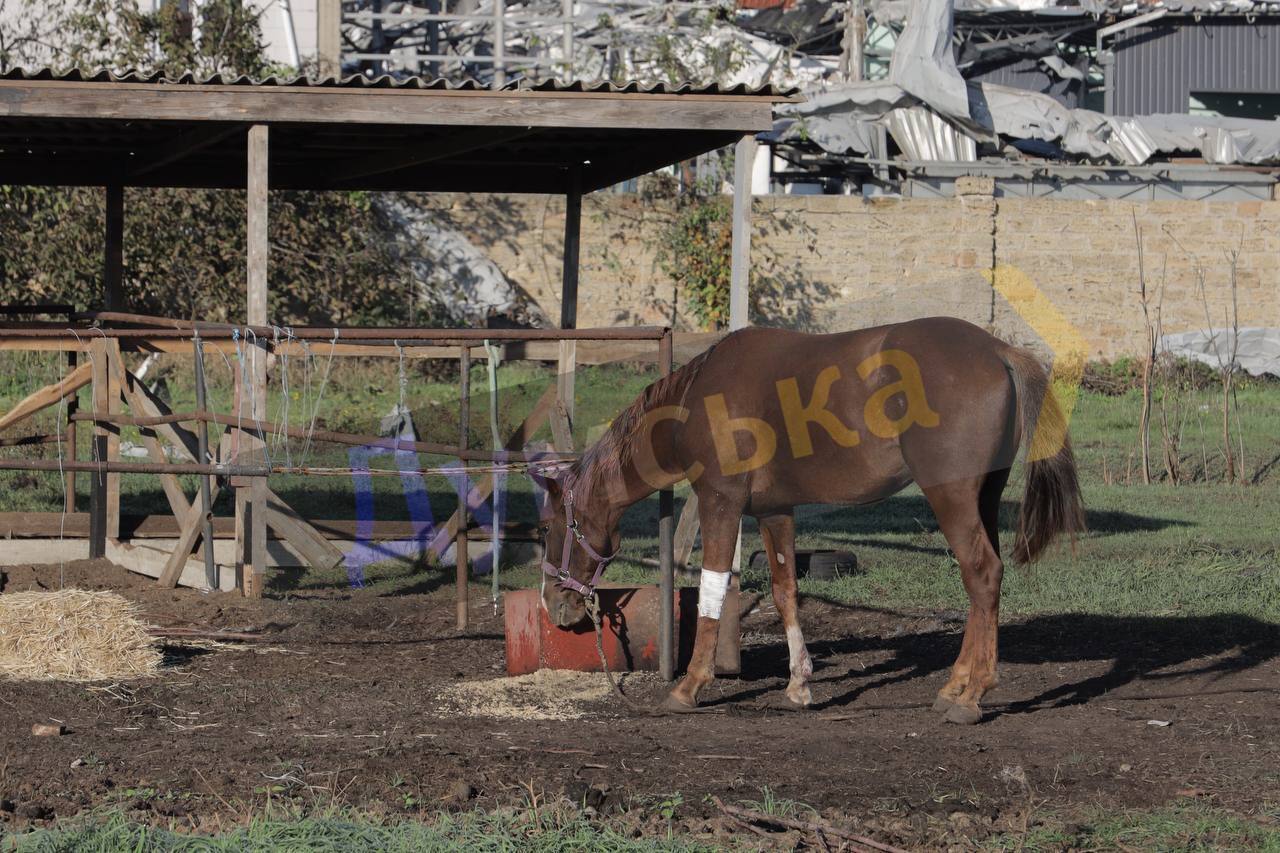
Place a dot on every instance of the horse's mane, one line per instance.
(611, 453)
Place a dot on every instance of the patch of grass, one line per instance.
(1185, 826)
(499, 830)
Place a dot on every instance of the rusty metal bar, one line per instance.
(352, 439)
(666, 548)
(202, 450)
(167, 328)
(116, 467)
(462, 570)
(73, 404)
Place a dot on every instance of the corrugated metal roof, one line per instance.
(386, 81)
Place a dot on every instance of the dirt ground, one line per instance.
(346, 702)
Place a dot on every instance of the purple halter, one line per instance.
(562, 576)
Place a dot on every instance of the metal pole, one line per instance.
(202, 443)
(666, 550)
(462, 572)
(566, 47)
(69, 442)
(499, 43)
(740, 271)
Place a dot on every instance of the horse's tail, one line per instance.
(1051, 502)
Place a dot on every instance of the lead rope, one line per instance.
(597, 620)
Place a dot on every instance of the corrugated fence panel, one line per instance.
(1159, 66)
(1027, 74)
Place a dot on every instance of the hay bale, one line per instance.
(73, 635)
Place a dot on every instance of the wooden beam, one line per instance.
(299, 533)
(197, 139)
(168, 482)
(113, 254)
(330, 105)
(421, 153)
(147, 404)
(190, 533)
(740, 271)
(47, 396)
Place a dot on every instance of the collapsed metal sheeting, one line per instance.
(1257, 353)
(923, 77)
(897, 11)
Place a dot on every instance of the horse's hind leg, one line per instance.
(779, 534)
(966, 512)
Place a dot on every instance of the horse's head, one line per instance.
(577, 546)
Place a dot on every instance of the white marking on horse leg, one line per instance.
(782, 559)
(801, 667)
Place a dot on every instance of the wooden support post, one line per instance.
(202, 447)
(104, 493)
(252, 513)
(566, 374)
(572, 250)
(666, 550)
(113, 256)
(463, 571)
(69, 440)
(98, 481)
(740, 272)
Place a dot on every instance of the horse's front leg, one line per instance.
(719, 542)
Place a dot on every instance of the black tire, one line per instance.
(826, 565)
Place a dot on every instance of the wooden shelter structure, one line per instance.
(134, 130)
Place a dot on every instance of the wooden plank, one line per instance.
(566, 374)
(315, 105)
(189, 534)
(561, 428)
(47, 396)
(305, 539)
(740, 269)
(147, 404)
(177, 499)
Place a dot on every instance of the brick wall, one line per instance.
(839, 262)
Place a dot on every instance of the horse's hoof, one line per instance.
(942, 704)
(963, 715)
(800, 699)
(673, 705)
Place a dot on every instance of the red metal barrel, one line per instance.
(630, 632)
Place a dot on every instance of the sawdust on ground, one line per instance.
(548, 694)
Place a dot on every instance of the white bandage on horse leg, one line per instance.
(712, 588)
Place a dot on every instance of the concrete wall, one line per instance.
(839, 262)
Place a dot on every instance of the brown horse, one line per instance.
(770, 419)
